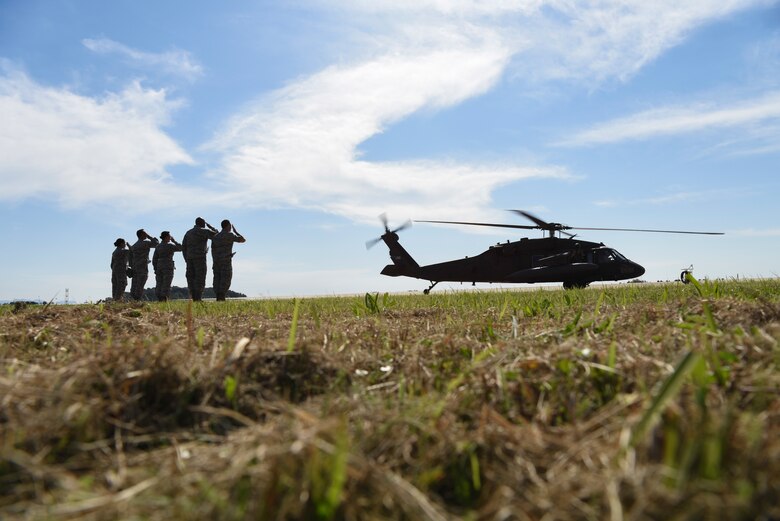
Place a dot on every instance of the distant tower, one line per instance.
(66, 295)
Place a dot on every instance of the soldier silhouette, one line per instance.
(119, 261)
(162, 260)
(139, 261)
(222, 256)
(195, 246)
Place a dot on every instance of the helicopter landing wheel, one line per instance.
(427, 290)
(574, 285)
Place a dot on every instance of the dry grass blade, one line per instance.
(87, 505)
(222, 411)
(414, 502)
(239, 349)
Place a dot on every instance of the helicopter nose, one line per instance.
(638, 270)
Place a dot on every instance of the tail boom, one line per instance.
(403, 263)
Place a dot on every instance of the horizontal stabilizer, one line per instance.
(392, 270)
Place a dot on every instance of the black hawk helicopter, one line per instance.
(572, 261)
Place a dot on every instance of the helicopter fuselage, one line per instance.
(574, 262)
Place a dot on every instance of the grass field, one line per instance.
(627, 402)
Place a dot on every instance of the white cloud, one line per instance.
(588, 41)
(678, 197)
(298, 147)
(79, 150)
(680, 120)
(176, 62)
(601, 39)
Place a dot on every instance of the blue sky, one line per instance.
(303, 121)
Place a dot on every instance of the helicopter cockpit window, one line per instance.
(605, 256)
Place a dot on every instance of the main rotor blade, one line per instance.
(547, 226)
(542, 224)
(651, 231)
(516, 226)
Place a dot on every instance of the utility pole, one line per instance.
(66, 295)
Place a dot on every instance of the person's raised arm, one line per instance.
(155, 241)
(240, 237)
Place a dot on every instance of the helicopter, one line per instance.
(574, 262)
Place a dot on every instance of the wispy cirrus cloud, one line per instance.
(668, 121)
(298, 146)
(583, 41)
(175, 62)
(79, 150)
(594, 41)
(679, 196)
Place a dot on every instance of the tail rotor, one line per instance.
(388, 232)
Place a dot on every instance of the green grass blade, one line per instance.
(667, 392)
(293, 327)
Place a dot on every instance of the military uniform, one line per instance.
(139, 260)
(162, 260)
(119, 260)
(195, 246)
(222, 255)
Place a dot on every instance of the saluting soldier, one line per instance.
(139, 260)
(162, 260)
(195, 246)
(222, 255)
(119, 260)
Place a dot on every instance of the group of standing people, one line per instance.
(133, 261)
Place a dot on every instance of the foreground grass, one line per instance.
(630, 402)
